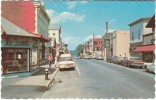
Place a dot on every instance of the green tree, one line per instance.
(79, 49)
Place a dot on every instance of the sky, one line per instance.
(79, 20)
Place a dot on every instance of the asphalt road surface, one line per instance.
(99, 79)
(91, 79)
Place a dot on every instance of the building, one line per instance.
(17, 47)
(42, 22)
(97, 44)
(120, 42)
(148, 47)
(137, 30)
(55, 34)
(107, 44)
(31, 17)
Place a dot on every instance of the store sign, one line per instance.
(16, 42)
(17, 50)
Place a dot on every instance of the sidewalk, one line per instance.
(38, 79)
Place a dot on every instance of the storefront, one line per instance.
(20, 49)
(15, 60)
(147, 52)
(19, 54)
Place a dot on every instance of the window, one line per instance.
(139, 34)
(14, 60)
(53, 33)
(132, 36)
(95, 43)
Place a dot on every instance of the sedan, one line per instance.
(99, 57)
(66, 62)
(118, 60)
(132, 61)
(149, 67)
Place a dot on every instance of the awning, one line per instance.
(145, 48)
(10, 29)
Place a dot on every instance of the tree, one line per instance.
(79, 49)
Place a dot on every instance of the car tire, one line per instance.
(145, 67)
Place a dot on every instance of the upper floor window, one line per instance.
(95, 43)
(53, 33)
(132, 36)
(139, 34)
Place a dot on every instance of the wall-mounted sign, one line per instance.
(16, 42)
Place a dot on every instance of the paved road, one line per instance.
(99, 79)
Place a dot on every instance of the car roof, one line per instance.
(65, 55)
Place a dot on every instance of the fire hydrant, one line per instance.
(46, 74)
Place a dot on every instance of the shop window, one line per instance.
(14, 60)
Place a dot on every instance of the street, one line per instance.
(99, 79)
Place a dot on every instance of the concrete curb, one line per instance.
(51, 79)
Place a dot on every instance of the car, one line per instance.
(99, 57)
(87, 57)
(66, 62)
(133, 61)
(149, 67)
(113, 58)
(118, 60)
(108, 58)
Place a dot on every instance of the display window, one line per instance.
(15, 60)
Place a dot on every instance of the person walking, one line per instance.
(50, 59)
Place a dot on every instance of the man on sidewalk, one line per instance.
(50, 59)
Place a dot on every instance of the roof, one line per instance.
(139, 20)
(12, 29)
(151, 23)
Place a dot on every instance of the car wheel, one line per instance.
(146, 68)
(140, 67)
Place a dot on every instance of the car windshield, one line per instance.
(65, 59)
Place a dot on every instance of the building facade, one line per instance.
(17, 47)
(97, 45)
(148, 47)
(137, 30)
(54, 33)
(120, 42)
(31, 17)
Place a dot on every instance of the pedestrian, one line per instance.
(50, 59)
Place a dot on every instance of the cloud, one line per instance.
(72, 4)
(88, 38)
(58, 18)
(71, 39)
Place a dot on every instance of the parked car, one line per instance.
(113, 58)
(88, 57)
(132, 61)
(99, 57)
(108, 58)
(149, 67)
(118, 60)
(66, 61)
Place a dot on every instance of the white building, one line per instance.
(137, 30)
(54, 34)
